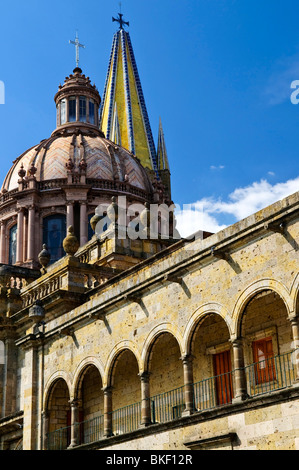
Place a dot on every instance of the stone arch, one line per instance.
(59, 375)
(295, 295)
(114, 357)
(162, 359)
(251, 291)
(198, 317)
(81, 370)
(153, 336)
(123, 381)
(58, 412)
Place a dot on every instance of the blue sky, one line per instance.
(218, 72)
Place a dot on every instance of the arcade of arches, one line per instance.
(209, 357)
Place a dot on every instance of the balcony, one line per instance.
(264, 377)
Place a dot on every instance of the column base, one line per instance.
(144, 425)
(240, 399)
(295, 384)
(187, 413)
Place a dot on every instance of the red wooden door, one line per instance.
(263, 359)
(223, 377)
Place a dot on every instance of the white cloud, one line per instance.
(206, 213)
(219, 167)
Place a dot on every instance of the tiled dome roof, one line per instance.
(101, 159)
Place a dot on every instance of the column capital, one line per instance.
(294, 319)
(75, 403)
(187, 358)
(144, 376)
(107, 390)
(236, 341)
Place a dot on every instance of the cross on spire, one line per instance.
(77, 45)
(120, 21)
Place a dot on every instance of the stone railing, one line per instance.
(64, 279)
(12, 280)
(16, 277)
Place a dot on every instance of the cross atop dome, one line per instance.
(120, 21)
(77, 46)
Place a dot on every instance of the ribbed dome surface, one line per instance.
(102, 159)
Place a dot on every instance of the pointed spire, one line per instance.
(123, 88)
(162, 158)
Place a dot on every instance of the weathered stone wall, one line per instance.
(271, 428)
(199, 315)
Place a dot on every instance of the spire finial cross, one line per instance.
(77, 45)
(120, 21)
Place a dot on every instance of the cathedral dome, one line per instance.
(75, 153)
(61, 181)
(77, 146)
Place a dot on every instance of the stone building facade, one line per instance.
(139, 342)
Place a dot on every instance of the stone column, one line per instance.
(31, 233)
(295, 332)
(87, 110)
(20, 238)
(67, 118)
(69, 213)
(75, 426)
(2, 241)
(188, 384)
(45, 430)
(30, 394)
(25, 238)
(107, 411)
(83, 223)
(77, 108)
(145, 400)
(10, 379)
(239, 371)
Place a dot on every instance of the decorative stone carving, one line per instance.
(22, 172)
(36, 312)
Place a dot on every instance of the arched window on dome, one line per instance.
(91, 112)
(82, 109)
(63, 111)
(72, 109)
(13, 245)
(54, 231)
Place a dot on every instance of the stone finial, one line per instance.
(32, 170)
(82, 165)
(22, 172)
(44, 258)
(94, 220)
(145, 216)
(70, 165)
(112, 210)
(70, 243)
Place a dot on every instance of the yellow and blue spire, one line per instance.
(123, 114)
